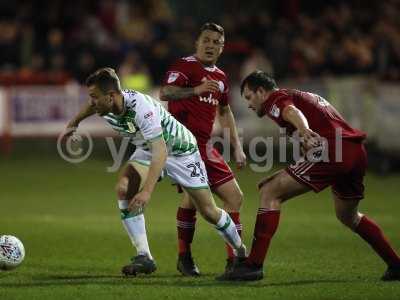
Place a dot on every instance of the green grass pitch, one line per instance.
(67, 218)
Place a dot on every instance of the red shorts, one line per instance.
(218, 171)
(345, 176)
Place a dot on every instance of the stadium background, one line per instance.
(347, 51)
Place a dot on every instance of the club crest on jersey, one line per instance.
(172, 77)
(148, 115)
(275, 111)
(131, 127)
(209, 100)
(221, 86)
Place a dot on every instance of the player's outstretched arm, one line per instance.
(172, 92)
(294, 116)
(159, 156)
(227, 120)
(85, 112)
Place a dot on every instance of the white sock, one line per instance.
(227, 229)
(135, 226)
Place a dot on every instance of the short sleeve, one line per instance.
(177, 75)
(224, 99)
(147, 118)
(277, 106)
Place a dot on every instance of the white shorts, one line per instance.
(188, 171)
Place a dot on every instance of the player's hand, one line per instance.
(240, 158)
(139, 201)
(70, 129)
(73, 140)
(310, 138)
(211, 86)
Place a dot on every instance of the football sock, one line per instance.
(135, 226)
(227, 229)
(373, 235)
(235, 216)
(185, 223)
(266, 224)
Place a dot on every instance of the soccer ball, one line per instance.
(12, 252)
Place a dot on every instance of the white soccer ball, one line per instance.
(12, 252)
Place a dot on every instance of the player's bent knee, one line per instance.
(239, 199)
(234, 203)
(230, 194)
(271, 186)
(270, 195)
(132, 180)
(122, 187)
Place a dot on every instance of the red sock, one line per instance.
(235, 216)
(266, 225)
(185, 220)
(373, 235)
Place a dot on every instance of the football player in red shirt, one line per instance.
(320, 127)
(196, 91)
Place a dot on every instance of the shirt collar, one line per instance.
(209, 69)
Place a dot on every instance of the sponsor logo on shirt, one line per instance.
(275, 111)
(172, 77)
(209, 100)
(148, 115)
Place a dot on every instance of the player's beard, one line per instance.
(103, 110)
(208, 60)
(214, 59)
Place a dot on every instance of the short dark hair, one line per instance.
(105, 79)
(213, 27)
(258, 79)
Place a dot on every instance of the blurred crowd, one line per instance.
(62, 41)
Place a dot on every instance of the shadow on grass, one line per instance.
(157, 280)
